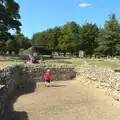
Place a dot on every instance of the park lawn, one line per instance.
(77, 61)
(104, 63)
(58, 62)
(9, 63)
(73, 62)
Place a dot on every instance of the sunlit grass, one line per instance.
(74, 62)
(104, 63)
(9, 63)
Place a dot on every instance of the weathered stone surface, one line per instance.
(102, 78)
(57, 72)
(102, 75)
(12, 76)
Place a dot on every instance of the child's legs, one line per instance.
(48, 82)
(45, 82)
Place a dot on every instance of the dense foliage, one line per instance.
(9, 20)
(71, 37)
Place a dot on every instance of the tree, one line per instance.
(2, 47)
(26, 43)
(46, 40)
(109, 37)
(9, 15)
(64, 42)
(89, 34)
(10, 46)
(68, 41)
(21, 42)
(9, 20)
(56, 35)
(42, 41)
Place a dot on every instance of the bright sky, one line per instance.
(38, 15)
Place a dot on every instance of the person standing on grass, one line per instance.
(47, 77)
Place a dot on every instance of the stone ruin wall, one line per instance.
(12, 76)
(102, 78)
(9, 79)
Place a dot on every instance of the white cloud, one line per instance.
(84, 4)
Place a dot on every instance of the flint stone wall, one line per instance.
(101, 75)
(36, 72)
(12, 76)
(9, 79)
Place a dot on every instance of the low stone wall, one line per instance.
(105, 77)
(9, 79)
(36, 72)
(12, 76)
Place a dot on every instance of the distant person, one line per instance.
(47, 77)
(32, 59)
(42, 61)
(39, 61)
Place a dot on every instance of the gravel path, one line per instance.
(66, 100)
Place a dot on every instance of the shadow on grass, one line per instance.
(9, 113)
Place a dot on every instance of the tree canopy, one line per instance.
(69, 38)
(9, 15)
(109, 37)
(9, 20)
(72, 37)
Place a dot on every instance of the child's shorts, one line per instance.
(48, 81)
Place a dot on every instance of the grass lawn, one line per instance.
(104, 63)
(73, 61)
(9, 63)
(78, 61)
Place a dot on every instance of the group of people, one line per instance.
(47, 74)
(33, 60)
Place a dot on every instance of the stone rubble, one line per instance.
(105, 78)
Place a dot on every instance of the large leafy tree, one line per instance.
(68, 41)
(21, 42)
(9, 15)
(56, 37)
(109, 37)
(46, 40)
(9, 20)
(26, 43)
(89, 34)
(41, 40)
(10, 46)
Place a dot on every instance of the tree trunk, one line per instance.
(58, 53)
(64, 53)
(76, 54)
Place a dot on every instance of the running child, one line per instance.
(47, 77)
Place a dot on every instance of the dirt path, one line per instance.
(66, 100)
